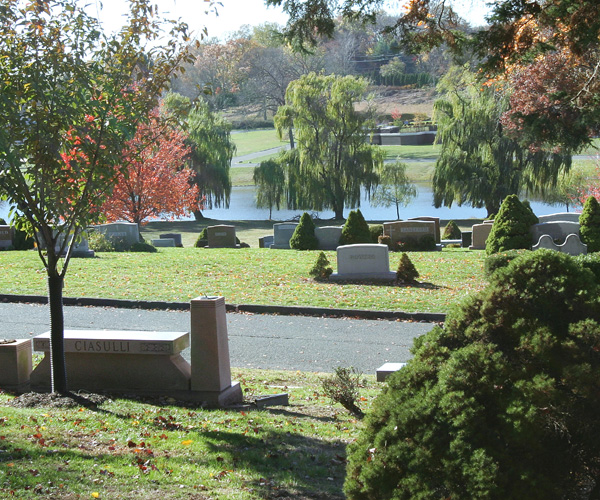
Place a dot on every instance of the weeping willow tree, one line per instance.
(332, 161)
(269, 178)
(209, 136)
(480, 164)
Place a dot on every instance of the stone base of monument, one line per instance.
(382, 276)
(15, 364)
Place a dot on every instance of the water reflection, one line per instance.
(242, 207)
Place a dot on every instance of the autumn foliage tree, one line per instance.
(154, 184)
(71, 99)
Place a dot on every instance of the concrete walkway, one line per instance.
(255, 340)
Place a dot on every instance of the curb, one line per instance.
(235, 308)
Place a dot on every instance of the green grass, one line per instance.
(256, 140)
(242, 176)
(136, 450)
(412, 152)
(248, 276)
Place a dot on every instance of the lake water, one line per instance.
(242, 207)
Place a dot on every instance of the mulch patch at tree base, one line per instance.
(54, 400)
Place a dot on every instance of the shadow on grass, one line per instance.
(279, 461)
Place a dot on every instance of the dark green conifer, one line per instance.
(356, 229)
(589, 224)
(304, 235)
(511, 229)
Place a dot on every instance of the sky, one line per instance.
(235, 13)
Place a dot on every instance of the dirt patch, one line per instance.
(54, 400)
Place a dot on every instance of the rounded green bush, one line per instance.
(500, 403)
(355, 230)
(511, 228)
(304, 235)
(142, 247)
(500, 260)
(589, 224)
(452, 231)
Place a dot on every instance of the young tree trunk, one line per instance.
(291, 134)
(57, 328)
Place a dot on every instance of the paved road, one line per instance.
(255, 340)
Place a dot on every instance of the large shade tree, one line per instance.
(479, 164)
(71, 98)
(209, 137)
(333, 156)
(154, 185)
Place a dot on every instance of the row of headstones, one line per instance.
(329, 236)
(560, 227)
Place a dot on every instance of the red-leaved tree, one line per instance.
(155, 185)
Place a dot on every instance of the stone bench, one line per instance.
(118, 361)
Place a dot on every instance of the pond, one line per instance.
(242, 207)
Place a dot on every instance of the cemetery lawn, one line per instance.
(249, 276)
(158, 449)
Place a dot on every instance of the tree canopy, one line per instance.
(209, 137)
(333, 157)
(545, 48)
(71, 99)
(154, 185)
(479, 163)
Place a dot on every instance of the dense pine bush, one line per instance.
(511, 229)
(500, 403)
(202, 240)
(304, 235)
(406, 272)
(355, 230)
(500, 260)
(589, 221)
(322, 268)
(452, 232)
(376, 231)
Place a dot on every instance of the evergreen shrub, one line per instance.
(355, 230)
(590, 261)
(304, 235)
(376, 231)
(322, 268)
(202, 240)
(142, 247)
(425, 243)
(500, 260)
(589, 224)
(499, 403)
(511, 228)
(406, 272)
(452, 231)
